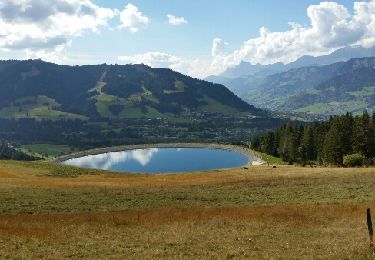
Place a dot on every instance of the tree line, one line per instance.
(332, 142)
(8, 152)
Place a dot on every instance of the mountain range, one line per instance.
(332, 89)
(330, 84)
(247, 69)
(104, 105)
(37, 89)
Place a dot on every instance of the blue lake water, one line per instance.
(162, 160)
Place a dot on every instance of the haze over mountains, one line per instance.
(301, 86)
(343, 54)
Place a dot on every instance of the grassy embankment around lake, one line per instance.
(55, 211)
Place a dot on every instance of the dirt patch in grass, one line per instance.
(5, 174)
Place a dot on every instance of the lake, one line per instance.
(163, 160)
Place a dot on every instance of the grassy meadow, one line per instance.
(54, 211)
(47, 150)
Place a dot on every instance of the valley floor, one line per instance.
(53, 211)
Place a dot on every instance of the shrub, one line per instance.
(354, 160)
(370, 162)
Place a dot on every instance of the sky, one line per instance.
(195, 37)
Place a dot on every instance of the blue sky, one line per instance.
(233, 21)
(213, 36)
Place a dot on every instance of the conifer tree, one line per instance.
(324, 142)
(364, 136)
(308, 145)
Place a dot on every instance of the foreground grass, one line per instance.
(54, 211)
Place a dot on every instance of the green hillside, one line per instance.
(332, 89)
(38, 107)
(35, 89)
(101, 105)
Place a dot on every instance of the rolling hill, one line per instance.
(103, 105)
(332, 89)
(246, 77)
(36, 89)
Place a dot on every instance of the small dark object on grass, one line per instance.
(369, 226)
(274, 167)
(246, 168)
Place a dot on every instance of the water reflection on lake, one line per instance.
(162, 160)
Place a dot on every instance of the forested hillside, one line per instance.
(7, 152)
(36, 89)
(334, 142)
(329, 90)
(102, 105)
(319, 89)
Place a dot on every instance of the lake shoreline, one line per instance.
(254, 159)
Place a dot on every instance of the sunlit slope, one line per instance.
(40, 90)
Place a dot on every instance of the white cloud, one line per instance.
(131, 18)
(38, 27)
(218, 47)
(194, 67)
(331, 27)
(153, 59)
(174, 20)
(43, 29)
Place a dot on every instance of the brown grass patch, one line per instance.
(337, 231)
(5, 174)
(297, 214)
(287, 212)
(256, 173)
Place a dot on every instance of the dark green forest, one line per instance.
(7, 152)
(104, 105)
(135, 90)
(345, 140)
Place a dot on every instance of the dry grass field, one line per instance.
(52, 211)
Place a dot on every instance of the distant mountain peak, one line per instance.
(344, 54)
(337, 88)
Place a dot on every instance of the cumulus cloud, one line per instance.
(164, 60)
(331, 27)
(45, 27)
(153, 59)
(174, 20)
(131, 18)
(194, 67)
(218, 47)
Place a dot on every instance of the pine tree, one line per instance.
(308, 146)
(338, 141)
(325, 142)
(364, 140)
(331, 150)
(288, 148)
(268, 144)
